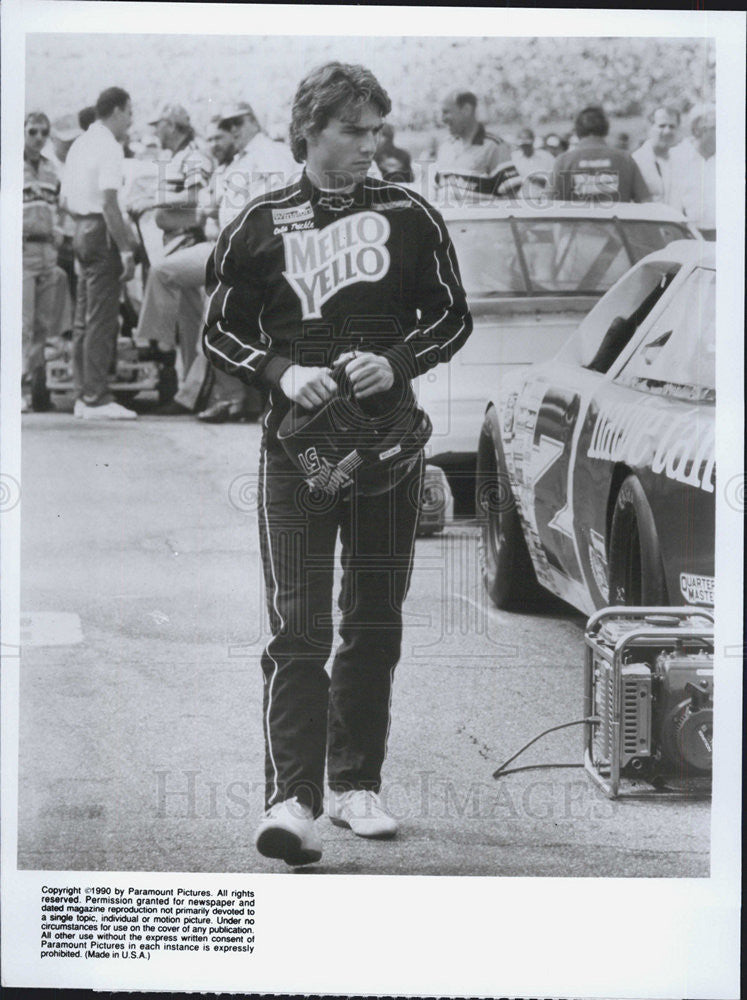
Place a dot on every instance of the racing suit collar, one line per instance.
(332, 201)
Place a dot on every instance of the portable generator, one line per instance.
(648, 696)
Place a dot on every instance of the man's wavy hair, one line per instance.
(328, 92)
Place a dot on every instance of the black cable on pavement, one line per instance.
(532, 767)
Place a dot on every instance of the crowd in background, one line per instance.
(116, 220)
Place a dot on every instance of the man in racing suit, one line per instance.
(336, 270)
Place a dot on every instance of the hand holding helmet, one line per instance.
(369, 443)
(308, 387)
(368, 373)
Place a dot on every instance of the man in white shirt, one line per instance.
(694, 171)
(653, 157)
(534, 165)
(260, 164)
(172, 300)
(103, 245)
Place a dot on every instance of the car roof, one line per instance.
(504, 209)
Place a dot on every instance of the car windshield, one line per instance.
(534, 257)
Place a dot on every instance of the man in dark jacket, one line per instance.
(335, 271)
(593, 171)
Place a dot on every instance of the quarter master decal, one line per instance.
(698, 589)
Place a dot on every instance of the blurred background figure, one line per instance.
(42, 278)
(200, 389)
(249, 164)
(534, 165)
(622, 141)
(593, 171)
(394, 163)
(171, 312)
(553, 144)
(260, 164)
(472, 161)
(104, 251)
(146, 148)
(653, 157)
(694, 171)
(65, 131)
(86, 117)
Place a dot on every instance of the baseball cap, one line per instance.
(174, 113)
(66, 128)
(239, 109)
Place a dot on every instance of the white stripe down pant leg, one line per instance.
(298, 532)
(297, 544)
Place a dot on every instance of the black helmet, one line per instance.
(369, 444)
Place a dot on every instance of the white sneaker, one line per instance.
(362, 811)
(78, 408)
(288, 832)
(109, 411)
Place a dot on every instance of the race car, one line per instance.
(531, 273)
(595, 469)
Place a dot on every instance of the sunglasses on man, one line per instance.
(44, 132)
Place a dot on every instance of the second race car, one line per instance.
(596, 469)
(531, 273)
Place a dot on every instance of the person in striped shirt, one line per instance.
(42, 278)
(472, 162)
(171, 300)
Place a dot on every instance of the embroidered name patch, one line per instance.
(299, 213)
(321, 262)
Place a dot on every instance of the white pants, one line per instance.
(174, 300)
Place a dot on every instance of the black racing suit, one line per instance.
(297, 278)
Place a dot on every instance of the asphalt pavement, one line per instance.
(140, 736)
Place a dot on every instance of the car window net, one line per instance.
(680, 349)
(622, 328)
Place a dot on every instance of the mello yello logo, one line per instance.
(321, 262)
